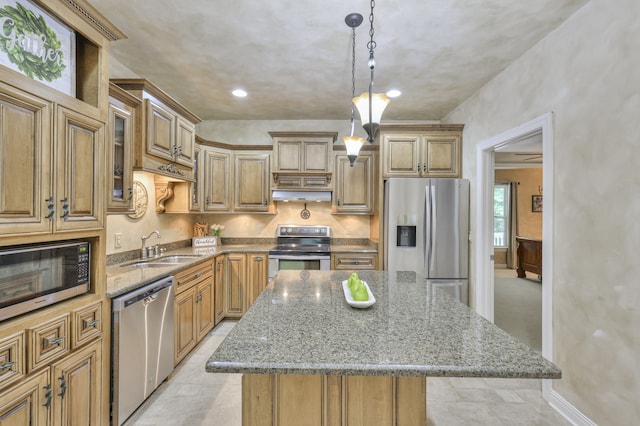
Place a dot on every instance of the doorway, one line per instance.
(484, 256)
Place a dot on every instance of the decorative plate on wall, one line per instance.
(140, 200)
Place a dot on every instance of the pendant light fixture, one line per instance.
(371, 105)
(353, 143)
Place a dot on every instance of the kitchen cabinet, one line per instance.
(421, 151)
(38, 197)
(257, 275)
(193, 307)
(26, 404)
(218, 282)
(80, 166)
(356, 261)
(354, 187)
(303, 160)
(217, 180)
(120, 150)
(235, 285)
(195, 190)
(166, 131)
(252, 192)
(27, 203)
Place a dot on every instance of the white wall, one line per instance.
(587, 72)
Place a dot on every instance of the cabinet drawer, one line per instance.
(12, 361)
(354, 261)
(48, 342)
(87, 324)
(187, 278)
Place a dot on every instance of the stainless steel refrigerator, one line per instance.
(426, 226)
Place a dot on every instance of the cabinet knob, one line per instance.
(50, 206)
(52, 342)
(7, 365)
(63, 386)
(258, 258)
(65, 208)
(88, 323)
(47, 396)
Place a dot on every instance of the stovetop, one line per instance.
(296, 239)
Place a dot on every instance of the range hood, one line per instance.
(301, 196)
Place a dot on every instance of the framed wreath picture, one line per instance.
(35, 44)
(536, 203)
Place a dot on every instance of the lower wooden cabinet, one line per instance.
(235, 285)
(354, 261)
(218, 282)
(257, 275)
(193, 307)
(67, 392)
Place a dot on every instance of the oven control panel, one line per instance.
(303, 231)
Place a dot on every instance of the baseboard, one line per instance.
(564, 407)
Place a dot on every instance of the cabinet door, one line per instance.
(25, 163)
(354, 185)
(257, 276)
(219, 289)
(401, 155)
(195, 192)
(235, 285)
(120, 139)
(77, 387)
(288, 155)
(354, 261)
(252, 182)
(185, 142)
(441, 156)
(161, 131)
(26, 403)
(316, 155)
(184, 323)
(204, 308)
(217, 181)
(80, 167)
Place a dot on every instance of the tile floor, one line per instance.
(194, 397)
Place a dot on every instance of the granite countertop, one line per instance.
(123, 279)
(301, 324)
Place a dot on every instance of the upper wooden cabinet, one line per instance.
(303, 159)
(120, 149)
(36, 196)
(421, 151)
(165, 129)
(216, 180)
(251, 181)
(354, 191)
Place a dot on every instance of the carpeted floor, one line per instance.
(518, 306)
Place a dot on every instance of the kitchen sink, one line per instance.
(161, 262)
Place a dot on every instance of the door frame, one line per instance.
(484, 284)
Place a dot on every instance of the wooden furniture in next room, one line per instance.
(529, 256)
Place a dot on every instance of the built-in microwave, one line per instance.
(38, 275)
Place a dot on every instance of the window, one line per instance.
(501, 215)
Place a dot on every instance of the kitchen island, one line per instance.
(306, 354)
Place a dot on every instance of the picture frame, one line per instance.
(536, 203)
(35, 44)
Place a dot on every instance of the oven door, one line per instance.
(301, 262)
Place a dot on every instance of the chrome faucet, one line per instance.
(144, 243)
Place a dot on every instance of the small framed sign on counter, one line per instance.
(35, 44)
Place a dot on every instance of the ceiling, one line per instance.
(293, 57)
(522, 152)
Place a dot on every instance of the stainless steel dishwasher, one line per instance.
(142, 345)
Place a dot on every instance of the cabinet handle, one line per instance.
(418, 166)
(47, 396)
(339, 202)
(52, 342)
(258, 258)
(50, 206)
(208, 201)
(355, 262)
(65, 208)
(266, 202)
(63, 386)
(130, 194)
(198, 275)
(88, 323)
(219, 266)
(7, 366)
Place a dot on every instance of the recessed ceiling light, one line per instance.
(239, 93)
(394, 93)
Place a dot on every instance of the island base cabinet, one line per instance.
(285, 399)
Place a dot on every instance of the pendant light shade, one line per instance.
(353, 144)
(379, 102)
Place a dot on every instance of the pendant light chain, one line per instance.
(372, 64)
(353, 77)
(372, 44)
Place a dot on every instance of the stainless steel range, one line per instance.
(300, 247)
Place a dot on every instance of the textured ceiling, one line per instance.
(294, 56)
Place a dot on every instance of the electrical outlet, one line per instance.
(117, 240)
